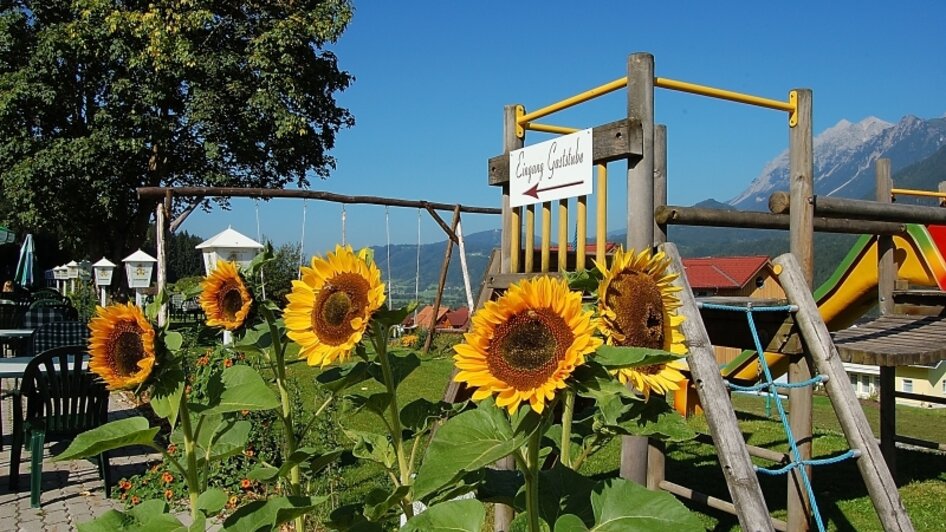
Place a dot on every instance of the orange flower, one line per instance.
(228, 362)
(135, 500)
(172, 449)
(245, 483)
(232, 502)
(168, 494)
(244, 412)
(203, 361)
(167, 477)
(248, 453)
(124, 485)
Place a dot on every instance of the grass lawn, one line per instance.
(839, 489)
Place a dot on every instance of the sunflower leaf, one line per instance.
(622, 505)
(655, 419)
(465, 443)
(420, 414)
(401, 367)
(376, 402)
(374, 447)
(629, 357)
(584, 280)
(113, 435)
(394, 317)
(229, 439)
(149, 516)
(338, 378)
(243, 389)
(269, 514)
(464, 515)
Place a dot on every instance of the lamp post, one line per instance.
(138, 268)
(103, 269)
(60, 274)
(72, 273)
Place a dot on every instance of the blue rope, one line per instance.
(771, 387)
(767, 386)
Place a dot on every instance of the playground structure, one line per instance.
(794, 332)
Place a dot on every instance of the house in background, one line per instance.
(425, 318)
(459, 319)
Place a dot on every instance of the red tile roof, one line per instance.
(424, 315)
(722, 272)
(459, 317)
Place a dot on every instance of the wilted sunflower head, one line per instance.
(638, 304)
(329, 308)
(525, 344)
(121, 346)
(225, 298)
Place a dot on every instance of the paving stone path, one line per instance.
(72, 491)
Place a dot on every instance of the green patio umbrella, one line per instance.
(27, 263)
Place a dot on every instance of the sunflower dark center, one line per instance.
(126, 349)
(343, 298)
(231, 301)
(636, 301)
(526, 348)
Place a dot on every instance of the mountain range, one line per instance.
(844, 166)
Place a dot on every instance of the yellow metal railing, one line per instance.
(919, 193)
(525, 121)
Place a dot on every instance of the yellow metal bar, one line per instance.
(546, 235)
(515, 231)
(581, 237)
(920, 193)
(563, 235)
(530, 239)
(574, 100)
(601, 214)
(724, 94)
(549, 128)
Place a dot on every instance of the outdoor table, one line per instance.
(14, 367)
(14, 334)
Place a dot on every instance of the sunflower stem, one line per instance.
(190, 452)
(381, 347)
(568, 412)
(531, 475)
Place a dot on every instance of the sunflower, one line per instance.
(638, 304)
(525, 344)
(121, 346)
(329, 307)
(225, 298)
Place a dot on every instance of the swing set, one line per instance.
(164, 197)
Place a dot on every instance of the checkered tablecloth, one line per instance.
(59, 334)
(39, 316)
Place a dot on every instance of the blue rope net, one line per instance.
(771, 387)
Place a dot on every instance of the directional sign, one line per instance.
(551, 170)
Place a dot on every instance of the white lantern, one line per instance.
(103, 272)
(138, 268)
(72, 270)
(228, 245)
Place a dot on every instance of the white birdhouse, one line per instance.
(103, 272)
(72, 270)
(138, 268)
(228, 245)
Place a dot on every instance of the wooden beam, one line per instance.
(270, 193)
(699, 216)
(442, 282)
(888, 417)
(712, 502)
(831, 207)
(610, 142)
(443, 225)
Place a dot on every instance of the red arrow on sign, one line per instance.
(534, 191)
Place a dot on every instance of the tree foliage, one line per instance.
(282, 270)
(99, 97)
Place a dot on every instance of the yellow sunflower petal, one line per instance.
(121, 346)
(224, 297)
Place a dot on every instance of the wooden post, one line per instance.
(443, 280)
(879, 481)
(601, 213)
(941, 187)
(801, 227)
(660, 179)
(656, 450)
(741, 478)
(529, 261)
(886, 278)
(640, 215)
(160, 224)
(562, 235)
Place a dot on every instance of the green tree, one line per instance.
(99, 97)
(280, 273)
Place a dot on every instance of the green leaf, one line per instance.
(584, 280)
(229, 439)
(374, 447)
(394, 317)
(466, 443)
(401, 367)
(562, 491)
(338, 378)
(271, 513)
(629, 357)
(570, 523)
(376, 402)
(521, 524)
(173, 340)
(467, 515)
(310, 456)
(656, 419)
(620, 505)
(212, 501)
(379, 501)
(595, 382)
(149, 516)
(243, 389)
(167, 394)
(418, 415)
(121, 433)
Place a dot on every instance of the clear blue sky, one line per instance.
(431, 79)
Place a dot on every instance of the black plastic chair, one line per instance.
(62, 400)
